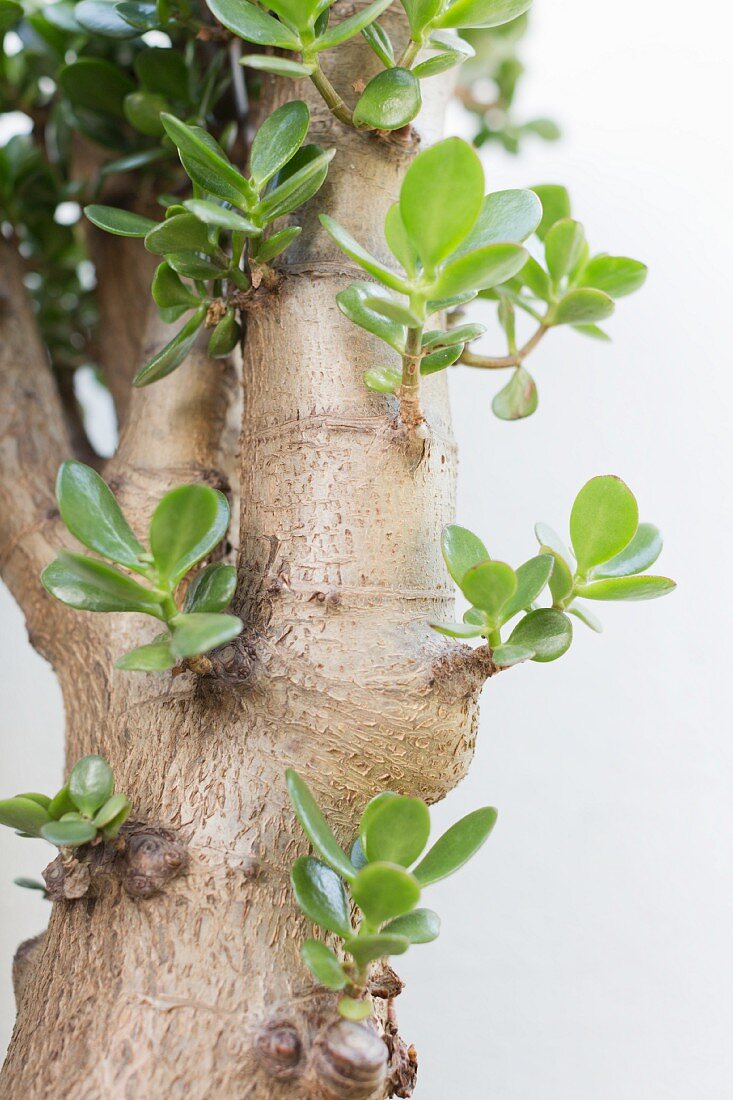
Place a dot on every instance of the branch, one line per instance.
(33, 443)
(484, 362)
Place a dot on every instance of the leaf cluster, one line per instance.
(382, 878)
(188, 523)
(612, 552)
(214, 244)
(86, 808)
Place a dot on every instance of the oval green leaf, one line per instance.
(321, 895)
(212, 589)
(91, 784)
(440, 199)
(93, 516)
(90, 585)
(397, 831)
(199, 632)
(23, 814)
(390, 100)
(323, 964)
(489, 586)
(186, 526)
(461, 550)
(384, 891)
(69, 833)
(315, 826)
(365, 949)
(456, 846)
(123, 223)
(603, 521)
(637, 557)
(642, 587)
(547, 632)
(419, 926)
(278, 140)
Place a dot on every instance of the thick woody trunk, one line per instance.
(199, 991)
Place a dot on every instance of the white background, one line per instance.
(586, 953)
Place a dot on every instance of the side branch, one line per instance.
(501, 362)
(33, 443)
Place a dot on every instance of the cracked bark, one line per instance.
(199, 992)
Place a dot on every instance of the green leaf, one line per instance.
(169, 292)
(352, 1009)
(26, 883)
(69, 833)
(641, 587)
(121, 222)
(383, 379)
(547, 537)
(205, 163)
(482, 13)
(459, 335)
(456, 846)
(365, 949)
(390, 100)
(41, 800)
(95, 85)
(441, 197)
(277, 243)
(603, 521)
(24, 815)
(164, 72)
(143, 111)
(380, 42)
(419, 926)
(398, 241)
(594, 332)
(555, 205)
(321, 895)
(101, 17)
(174, 352)
(315, 826)
(298, 13)
(440, 359)
(186, 526)
(421, 13)
(461, 551)
(293, 188)
(181, 233)
(384, 890)
(225, 337)
(113, 816)
(536, 279)
(278, 140)
(583, 306)
(518, 399)
(563, 247)
(638, 556)
(614, 275)
(212, 589)
(10, 14)
(144, 16)
(505, 656)
(397, 831)
(253, 24)
(193, 266)
(352, 303)
(61, 804)
(371, 809)
(505, 216)
(546, 631)
(351, 26)
(586, 617)
(93, 516)
(279, 66)
(439, 63)
(531, 580)
(460, 630)
(200, 632)
(91, 784)
(212, 213)
(323, 964)
(392, 310)
(489, 586)
(154, 657)
(364, 259)
(90, 585)
(356, 855)
(485, 267)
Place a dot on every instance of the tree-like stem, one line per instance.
(502, 362)
(411, 413)
(410, 52)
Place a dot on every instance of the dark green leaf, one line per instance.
(163, 71)
(352, 26)
(27, 883)
(277, 243)
(212, 213)
(384, 890)
(456, 846)
(279, 66)
(364, 259)
(419, 926)
(200, 632)
(461, 550)
(113, 816)
(91, 784)
(366, 949)
(144, 16)
(321, 895)
(143, 111)
(518, 399)
(278, 140)
(441, 197)
(603, 521)
(253, 24)
(352, 303)
(93, 516)
(206, 163)
(212, 589)
(323, 964)
(95, 85)
(24, 815)
(440, 359)
(61, 804)
(638, 556)
(292, 190)
(546, 631)
(101, 17)
(154, 657)
(642, 587)
(390, 100)
(181, 233)
(225, 337)
(169, 292)
(69, 833)
(186, 526)
(397, 831)
(380, 42)
(174, 352)
(90, 585)
(121, 222)
(193, 266)
(10, 14)
(315, 826)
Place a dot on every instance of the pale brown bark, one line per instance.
(200, 992)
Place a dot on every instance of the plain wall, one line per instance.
(587, 951)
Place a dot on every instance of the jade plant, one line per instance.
(132, 107)
(187, 524)
(84, 811)
(612, 552)
(369, 898)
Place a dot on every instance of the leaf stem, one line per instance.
(501, 362)
(333, 99)
(410, 52)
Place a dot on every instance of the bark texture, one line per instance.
(199, 991)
